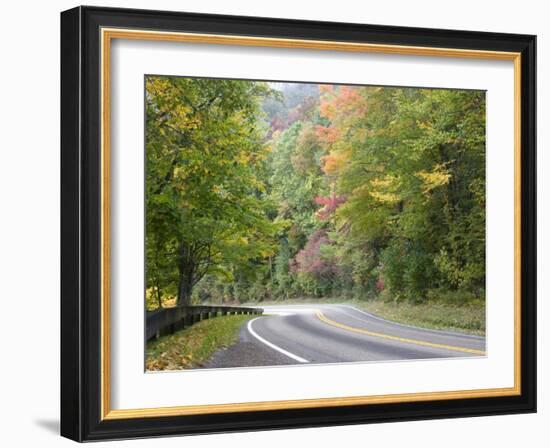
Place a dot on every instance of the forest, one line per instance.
(270, 191)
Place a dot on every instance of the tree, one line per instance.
(411, 165)
(314, 190)
(205, 206)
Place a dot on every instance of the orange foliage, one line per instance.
(325, 88)
(333, 162)
(350, 101)
(328, 134)
(344, 101)
(327, 109)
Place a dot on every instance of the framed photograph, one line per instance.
(272, 223)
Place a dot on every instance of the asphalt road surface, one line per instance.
(317, 334)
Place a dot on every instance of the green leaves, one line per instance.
(205, 157)
(413, 169)
(312, 190)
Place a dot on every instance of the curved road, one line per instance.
(304, 334)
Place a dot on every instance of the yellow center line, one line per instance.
(328, 321)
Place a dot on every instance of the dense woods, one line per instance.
(269, 191)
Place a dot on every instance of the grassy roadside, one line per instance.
(467, 318)
(191, 347)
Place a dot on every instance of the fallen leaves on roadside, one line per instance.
(191, 347)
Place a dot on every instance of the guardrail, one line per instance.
(168, 320)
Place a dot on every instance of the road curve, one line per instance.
(316, 334)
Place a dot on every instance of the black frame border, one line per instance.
(81, 223)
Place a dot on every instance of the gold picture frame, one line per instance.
(108, 29)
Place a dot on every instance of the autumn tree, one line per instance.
(411, 165)
(205, 207)
(317, 190)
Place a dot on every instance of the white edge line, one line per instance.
(273, 346)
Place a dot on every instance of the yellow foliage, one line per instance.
(243, 158)
(384, 182)
(387, 198)
(334, 162)
(438, 177)
(383, 189)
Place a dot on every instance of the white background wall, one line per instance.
(29, 223)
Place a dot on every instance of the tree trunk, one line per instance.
(185, 288)
(186, 268)
(159, 295)
(193, 263)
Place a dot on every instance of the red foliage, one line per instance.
(330, 204)
(309, 259)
